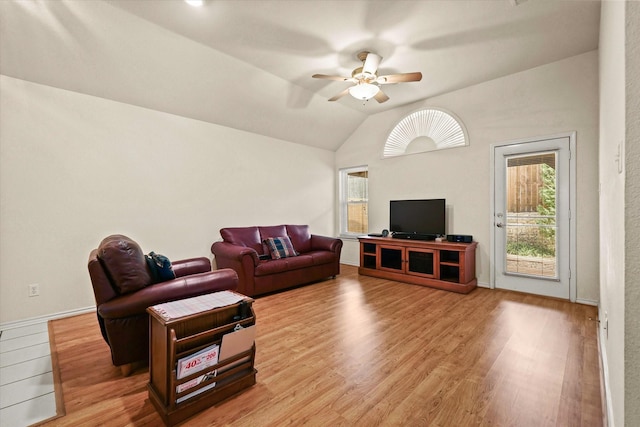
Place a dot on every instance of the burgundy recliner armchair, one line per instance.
(123, 290)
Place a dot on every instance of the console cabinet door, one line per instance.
(422, 262)
(391, 258)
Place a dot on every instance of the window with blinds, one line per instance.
(354, 201)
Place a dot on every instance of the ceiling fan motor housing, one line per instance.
(363, 76)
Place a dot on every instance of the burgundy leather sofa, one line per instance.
(243, 250)
(123, 290)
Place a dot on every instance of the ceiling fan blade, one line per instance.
(400, 78)
(340, 95)
(326, 77)
(381, 97)
(371, 63)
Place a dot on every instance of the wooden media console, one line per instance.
(443, 265)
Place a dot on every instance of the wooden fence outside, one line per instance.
(523, 188)
(357, 217)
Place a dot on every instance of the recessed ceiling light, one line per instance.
(195, 2)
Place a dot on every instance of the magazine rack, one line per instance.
(172, 339)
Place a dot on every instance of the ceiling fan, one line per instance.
(367, 82)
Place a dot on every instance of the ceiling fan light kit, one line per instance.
(364, 91)
(367, 82)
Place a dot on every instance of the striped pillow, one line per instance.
(280, 247)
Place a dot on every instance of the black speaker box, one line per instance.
(461, 238)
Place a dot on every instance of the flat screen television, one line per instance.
(423, 217)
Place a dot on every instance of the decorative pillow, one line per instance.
(280, 247)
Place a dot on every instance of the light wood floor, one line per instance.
(361, 351)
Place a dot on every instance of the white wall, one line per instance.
(612, 224)
(632, 208)
(619, 206)
(555, 98)
(76, 168)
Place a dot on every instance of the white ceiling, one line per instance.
(248, 64)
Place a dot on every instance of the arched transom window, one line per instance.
(425, 130)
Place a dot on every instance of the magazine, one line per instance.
(198, 361)
(194, 382)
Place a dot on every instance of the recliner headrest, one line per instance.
(124, 262)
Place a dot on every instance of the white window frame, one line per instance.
(343, 184)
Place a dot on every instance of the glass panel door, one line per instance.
(531, 221)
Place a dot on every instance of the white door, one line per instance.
(533, 197)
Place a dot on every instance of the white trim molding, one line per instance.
(43, 319)
(604, 378)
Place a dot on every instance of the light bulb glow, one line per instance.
(194, 2)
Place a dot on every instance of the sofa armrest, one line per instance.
(185, 267)
(324, 243)
(183, 287)
(242, 259)
(234, 253)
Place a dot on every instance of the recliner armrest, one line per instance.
(183, 287)
(185, 267)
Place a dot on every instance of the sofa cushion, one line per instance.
(124, 262)
(243, 236)
(300, 236)
(282, 265)
(280, 247)
(322, 257)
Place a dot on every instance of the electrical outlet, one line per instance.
(34, 290)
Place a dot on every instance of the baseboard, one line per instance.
(484, 285)
(352, 263)
(46, 318)
(604, 365)
(587, 302)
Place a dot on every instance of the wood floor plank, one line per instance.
(364, 351)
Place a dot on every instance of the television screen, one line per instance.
(418, 216)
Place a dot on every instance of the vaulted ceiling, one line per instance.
(248, 64)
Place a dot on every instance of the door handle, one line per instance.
(499, 225)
